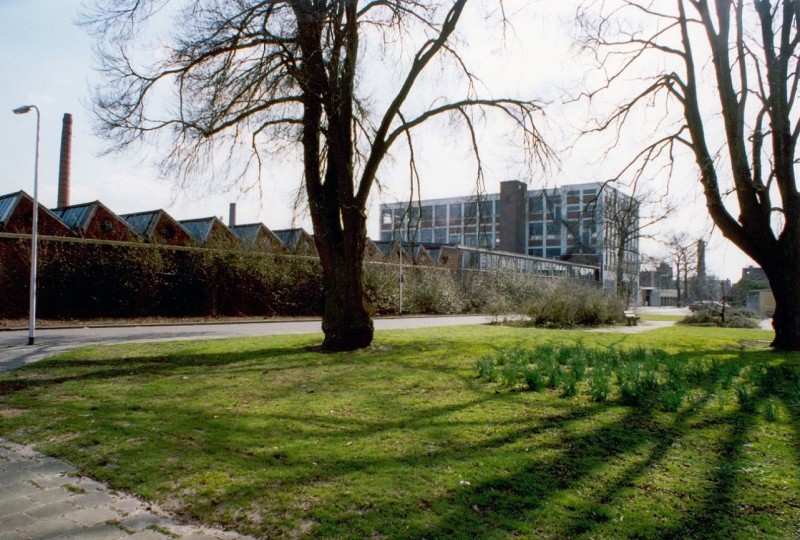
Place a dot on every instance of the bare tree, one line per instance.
(725, 75)
(627, 221)
(254, 80)
(682, 250)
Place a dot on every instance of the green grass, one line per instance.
(406, 441)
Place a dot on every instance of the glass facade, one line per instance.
(570, 223)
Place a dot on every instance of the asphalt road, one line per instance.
(14, 351)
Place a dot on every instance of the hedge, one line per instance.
(96, 280)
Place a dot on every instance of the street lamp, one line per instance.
(34, 227)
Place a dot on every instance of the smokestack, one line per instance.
(232, 215)
(701, 258)
(66, 161)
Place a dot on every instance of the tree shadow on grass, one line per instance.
(715, 515)
(51, 372)
(293, 465)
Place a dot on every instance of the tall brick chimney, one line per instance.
(65, 161)
(513, 220)
(232, 215)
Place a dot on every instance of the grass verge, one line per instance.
(405, 440)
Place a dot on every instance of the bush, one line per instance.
(431, 290)
(93, 280)
(671, 395)
(533, 378)
(569, 385)
(746, 398)
(500, 292)
(571, 304)
(486, 369)
(600, 384)
(735, 317)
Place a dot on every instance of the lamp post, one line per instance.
(34, 227)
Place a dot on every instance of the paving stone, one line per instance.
(140, 521)
(14, 506)
(93, 516)
(53, 509)
(46, 496)
(15, 521)
(54, 527)
(148, 535)
(101, 531)
(51, 480)
(20, 489)
(13, 477)
(93, 499)
(90, 485)
(36, 505)
(127, 505)
(49, 467)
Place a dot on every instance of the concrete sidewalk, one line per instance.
(43, 498)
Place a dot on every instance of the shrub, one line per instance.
(554, 376)
(569, 385)
(579, 368)
(533, 378)
(486, 369)
(746, 398)
(637, 391)
(671, 395)
(735, 317)
(569, 304)
(431, 290)
(500, 291)
(600, 384)
(726, 374)
(771, 411)
(511, 374)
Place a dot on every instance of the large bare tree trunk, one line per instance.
(346, 321)
(785, 286)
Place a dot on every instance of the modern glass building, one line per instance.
(590, 223)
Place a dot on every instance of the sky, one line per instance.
(47, 60)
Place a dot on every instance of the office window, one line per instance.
(535, 204)
(427, 213)
(536, 229)
(573, 197)
(487, 210)
(440, 214)
(470, 212)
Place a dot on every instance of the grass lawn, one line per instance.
(404, 440)
(660, 317)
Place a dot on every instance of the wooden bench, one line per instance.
(631, 318)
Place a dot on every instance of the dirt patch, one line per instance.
(11, 412)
